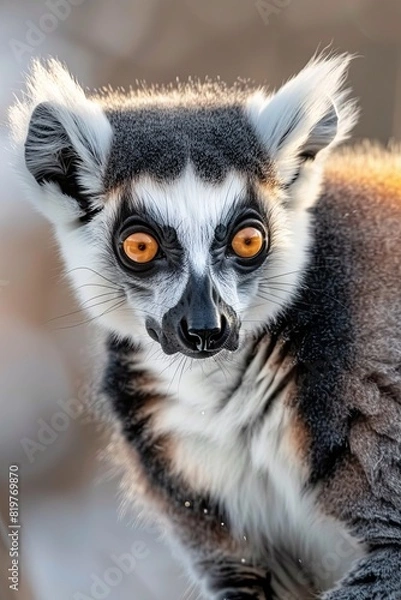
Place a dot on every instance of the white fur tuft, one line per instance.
(311, 111)
(84, 120)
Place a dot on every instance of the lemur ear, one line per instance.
(307, 116)
(52, 157)
(63, 138)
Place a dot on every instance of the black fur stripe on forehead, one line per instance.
(160, 142)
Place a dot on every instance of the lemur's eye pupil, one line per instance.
(247, 242)
(140, 247)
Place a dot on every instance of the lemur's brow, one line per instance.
(130, 214)
(145, 207)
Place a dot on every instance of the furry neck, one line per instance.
(204, 384)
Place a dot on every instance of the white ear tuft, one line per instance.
(309, 114)
(60, 136)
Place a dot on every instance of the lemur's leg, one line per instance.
(228, 579)
(375, 577)
(221, 564)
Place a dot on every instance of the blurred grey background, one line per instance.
(73, 539)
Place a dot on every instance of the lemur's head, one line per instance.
(181, 212)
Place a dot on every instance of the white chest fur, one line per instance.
(254, 471)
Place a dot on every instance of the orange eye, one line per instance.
(140, 247)
(247, 242)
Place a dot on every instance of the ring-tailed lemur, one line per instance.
(253, 369)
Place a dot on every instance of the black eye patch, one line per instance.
(170, 251)
(224, 233)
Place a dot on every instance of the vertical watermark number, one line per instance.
(13, 527)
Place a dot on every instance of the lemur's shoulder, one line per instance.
(361, 196)
(366, 169)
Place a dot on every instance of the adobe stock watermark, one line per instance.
(269, 8)
(36, 33)
(49, 430)
(332, 561)
(102, 585)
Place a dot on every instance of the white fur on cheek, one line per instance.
(291, 239)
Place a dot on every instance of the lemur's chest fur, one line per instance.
(247, 450)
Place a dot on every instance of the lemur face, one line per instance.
(182, 214)
(191, 256)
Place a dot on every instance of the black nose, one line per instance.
(206, 340)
